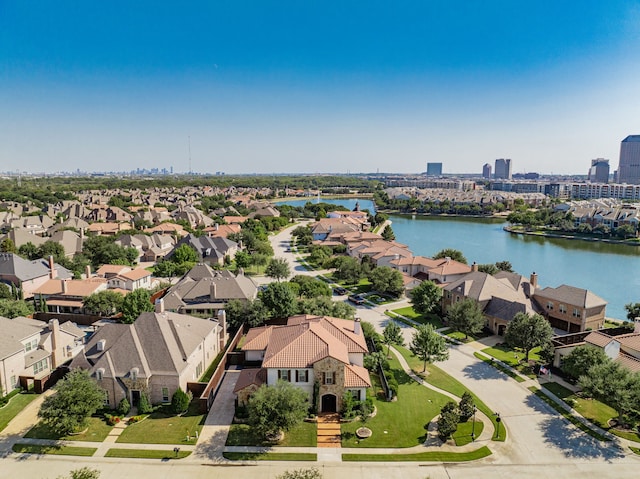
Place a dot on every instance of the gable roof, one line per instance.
(13, 265)
(573, 296)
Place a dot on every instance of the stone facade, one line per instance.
(334, 368)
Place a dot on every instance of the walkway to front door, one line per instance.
(329, 430)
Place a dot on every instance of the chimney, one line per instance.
(100, 345)
(54, 327)
(65, 288)
(52, 268)
(534, 282)
(222, 321)
(636, 328)
(357, 327)
(212, 291)
(447, 259)
(160, 305)
(474, 266)
(216, 226)
(87, 271)
(82, 233)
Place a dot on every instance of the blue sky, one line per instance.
(310, 86)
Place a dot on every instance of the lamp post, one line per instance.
(498, 421)
(473, 424)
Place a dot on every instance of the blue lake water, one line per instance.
(608, 270)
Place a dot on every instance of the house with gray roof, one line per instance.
(210, 250)
(155, 355)
(29, 275)
(572, 309)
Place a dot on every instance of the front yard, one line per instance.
(16, 404)
(304, 434)
(514, 358)
(97, 431)
(409, 312)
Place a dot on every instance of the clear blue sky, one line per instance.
(316, 86)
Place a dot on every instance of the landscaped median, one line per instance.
(59, 450)
(270, 456)
(430, 456)
(146, 454)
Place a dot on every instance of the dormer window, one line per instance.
(134, 373)
(99, 374)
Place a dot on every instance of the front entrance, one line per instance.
(501, 329)
(135, 398)
(329, 403)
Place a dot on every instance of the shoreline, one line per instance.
(545, 234)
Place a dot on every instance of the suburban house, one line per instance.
(206, 291)
(149, 247)
(440, 271)
(29, 275)
(210, 250)
(131, 280)
(619, 344)
(572, 309)
(67, 295)
(326, 227)
(30, 350)
(156, 354)
(309, 350)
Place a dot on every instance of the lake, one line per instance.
(608, 270)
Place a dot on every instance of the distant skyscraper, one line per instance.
(486, 171)
(599, 171)
(434, 169)
(502, 169)
(629, 166)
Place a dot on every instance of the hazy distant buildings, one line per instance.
(629, 166)
(486, 171)
(502, 170)
(599, 171)
(434, 169)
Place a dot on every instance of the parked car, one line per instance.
(356, 299)
(339, 291)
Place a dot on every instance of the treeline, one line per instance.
(414, 205)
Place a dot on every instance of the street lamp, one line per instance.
(498, 421)
(473, 424)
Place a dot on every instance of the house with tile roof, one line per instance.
(204, 290)
(68, 295)
(30, 350)
(155, 355)
(319, 354)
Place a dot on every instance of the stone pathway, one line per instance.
(329, 430)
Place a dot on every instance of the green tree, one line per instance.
(311, 287)
(12, 308)
(526, 332)
(582, 359)
(51, 248)
(614, 385)
(466, 407)
(426, 297)
(466, 316)
(633, 311)
(388, 234)
(373, 361)
(124, 407)
(428, 345)
(488, 268)
(8, 246)
(252, 312)
(144, 405)
(386, 280)
(392, 335)
(278, 268)
(448, 420)
(277, 408)
(76, 397)
(279, 300)
(104, 303)
(184, 254)
(323, 306)
(454, 254)
(347, 268)
(504, 266)
(243, 260)
(28, 251)
(180, 401)
(134, 304)
(5, 292)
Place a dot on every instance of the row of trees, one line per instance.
(383, 202)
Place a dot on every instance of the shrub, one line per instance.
(393, 385)
(144, 406)
(111, 419)
(349, 406)
(134, 419)
(180, 401)
(124, 407)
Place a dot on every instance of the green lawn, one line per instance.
(500, 367)
(304, 434)
(635, 450)
(16, 404)
(461, 336)
(408, 312)
(463, 435)
(514, 357)
(592, 409)
(212, 368)
(146, 453)
(398, 423)
(435, 456)
(439, 378)
(567, 415)
(162, 427)
(97, 431)
(60, 450)
(270, 456)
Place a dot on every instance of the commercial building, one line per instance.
(599, 171)
(434, 169)
(486, 171)
(502, 169)
(629, 166)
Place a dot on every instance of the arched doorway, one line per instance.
(329, 403)
(501, 329)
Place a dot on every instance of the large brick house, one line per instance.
(319, 354)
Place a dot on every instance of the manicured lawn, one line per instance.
(635, 450)
(16, 404)
(593, 410)
(435, 456)
(439, 378)
(270, 456)
(162, 427)
(212, 368)
(60, 450)
(97, 431)
(461, 336)
(398, 423)
(514, 357)
(500, 367)
(146, 454)
(567, 415)
(304, 434)
(463, 435)
(408, 312)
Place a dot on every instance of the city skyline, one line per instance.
(263, 87)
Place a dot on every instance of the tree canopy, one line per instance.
(392, 335)
(279, 300)
(387, 281)
(104, 303)
(134, 304)
(582, 359)
(466, 316)
(454, 254)
(426, 297)
(428, 345)
(277, 408)
(278, 269)
(527, 331)
(613, 384)
(76, 397)
(11, 308)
